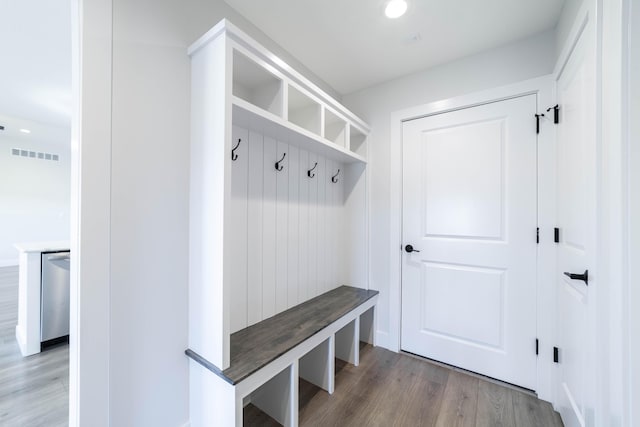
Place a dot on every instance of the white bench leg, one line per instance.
(211, 399)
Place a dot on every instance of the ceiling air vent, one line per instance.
(35, 154)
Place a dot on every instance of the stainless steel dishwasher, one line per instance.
(54, 299)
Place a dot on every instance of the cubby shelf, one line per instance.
(256, 85)
(265, 86)
(248, 115)
(335, 128)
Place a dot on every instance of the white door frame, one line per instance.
(91, 57)
(631, 131)
(619, 32)
(543, 88)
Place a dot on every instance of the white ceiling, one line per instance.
(351, 45)
(35, 60)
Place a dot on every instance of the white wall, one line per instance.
(148, 371)
(567, 17)
(512, 63)
(34, 193)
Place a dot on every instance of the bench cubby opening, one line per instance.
(367, 322)
(347, 343)
(278, 397)
(318, 366)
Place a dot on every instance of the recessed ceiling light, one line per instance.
(395, 8)
(25, 131)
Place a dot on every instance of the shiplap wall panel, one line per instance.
(312, 245)
(321, 222)
(254, 226)
(287, 228)
(303, 255)
(330, 224)
(295, 175)
(340, 251)
(269, 200)
(238, 229)
(282, 228)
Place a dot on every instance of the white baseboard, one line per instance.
(21, 341)
(382, 340)
(9, 262)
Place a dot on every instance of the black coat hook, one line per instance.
(234, 156)
(309, 174)
(334, 178)
(279, 167)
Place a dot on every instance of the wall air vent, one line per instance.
(35, 154)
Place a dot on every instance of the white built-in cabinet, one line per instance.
(278, 197)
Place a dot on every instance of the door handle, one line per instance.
(584, 276)
(410, 249)
(58, 258)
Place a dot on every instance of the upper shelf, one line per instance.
(267, 91)
(248, 115)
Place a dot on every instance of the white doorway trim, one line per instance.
(542, 87)
(632, 133)
(91, 22)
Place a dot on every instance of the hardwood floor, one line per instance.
(34, 390)
(387, 389)
(390, 389)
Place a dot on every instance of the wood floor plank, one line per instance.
(460, 401)
(369, 392)
(390, 400)
(495, 406)
(252, 416)
(424, 396)
(391, 389)
(530, 411)
(34, 390)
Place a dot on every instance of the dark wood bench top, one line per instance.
(256, 346)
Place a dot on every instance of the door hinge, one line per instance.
(556, 235)
(556, 113)
(555, 354)
(537, 346)
(556, 116)
(538, 235)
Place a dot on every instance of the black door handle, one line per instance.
(584, 276)
(410, 249)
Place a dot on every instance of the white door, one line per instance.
(576, 205)
(469, 207)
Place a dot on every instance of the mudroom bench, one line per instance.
(268, 357)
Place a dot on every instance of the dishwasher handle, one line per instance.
(65, 257)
